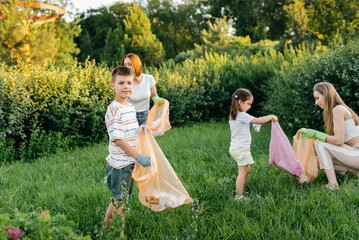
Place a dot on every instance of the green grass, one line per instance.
(280, 208)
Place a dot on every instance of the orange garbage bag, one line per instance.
(304, 150)
(159, 187)
(158, 119)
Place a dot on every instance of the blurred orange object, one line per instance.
(304, 150)
(45, 18)
(159, 187)
(158, 119)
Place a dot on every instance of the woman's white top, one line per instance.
(351, 130)
(141, 94)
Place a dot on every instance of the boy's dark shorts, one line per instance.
(115, 177)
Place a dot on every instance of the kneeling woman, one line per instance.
(338, 148)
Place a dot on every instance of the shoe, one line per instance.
(241, 198)
(332, 188)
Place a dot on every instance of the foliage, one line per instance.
(177, 25)
(126, 29)
(49, 107)
(117, 225)
(292, 88)
(95, 25)
(138, 37)
(38, 225)
(259, 19)
(201, 89)
(218, 39)
(24, 40)
(321, 20)
(114, 49)
(70, 183)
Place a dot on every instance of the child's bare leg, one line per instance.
(243, 172)
(109, 212)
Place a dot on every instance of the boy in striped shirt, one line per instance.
(122, 129)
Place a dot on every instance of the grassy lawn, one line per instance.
(280, 208)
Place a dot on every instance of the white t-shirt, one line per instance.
(240, 134)
(141, 94)
(121, 123)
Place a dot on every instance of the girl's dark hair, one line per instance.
(240, 94)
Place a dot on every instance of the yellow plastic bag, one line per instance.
(158, 119)
(159, 187)
(304, 150)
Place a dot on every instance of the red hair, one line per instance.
(136, 63)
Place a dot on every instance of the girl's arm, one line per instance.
(123, 144)
(265, 119)
(339, 127)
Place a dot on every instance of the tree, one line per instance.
(139, 38)
(114, 49)
(260, 19)
(321, 20)
(177, 26)
(217, 37)
(23, 39)
(95, 25)
(67, 48)
(297, 25)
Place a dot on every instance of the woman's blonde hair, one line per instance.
(332, 99)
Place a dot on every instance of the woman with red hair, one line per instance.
(144, 88)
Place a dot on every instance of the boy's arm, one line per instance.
(141, 159)
(123, 144)
(265, 119)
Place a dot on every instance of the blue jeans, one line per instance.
(142, 117)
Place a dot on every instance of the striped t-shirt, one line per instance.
(121, 123)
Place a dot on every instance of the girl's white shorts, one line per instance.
(241, 155)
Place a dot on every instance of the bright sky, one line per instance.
(83, 5)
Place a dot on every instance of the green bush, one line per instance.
(47, 108)
(37, 225)
(201, 89)
(290, 93)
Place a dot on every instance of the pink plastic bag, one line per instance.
(282, 153)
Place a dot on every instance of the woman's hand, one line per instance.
(311, 133)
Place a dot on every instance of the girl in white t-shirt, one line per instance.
(239, 121)
(144, 88)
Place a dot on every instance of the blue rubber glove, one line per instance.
(158, 99)
(143, 160)
(311, 133)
